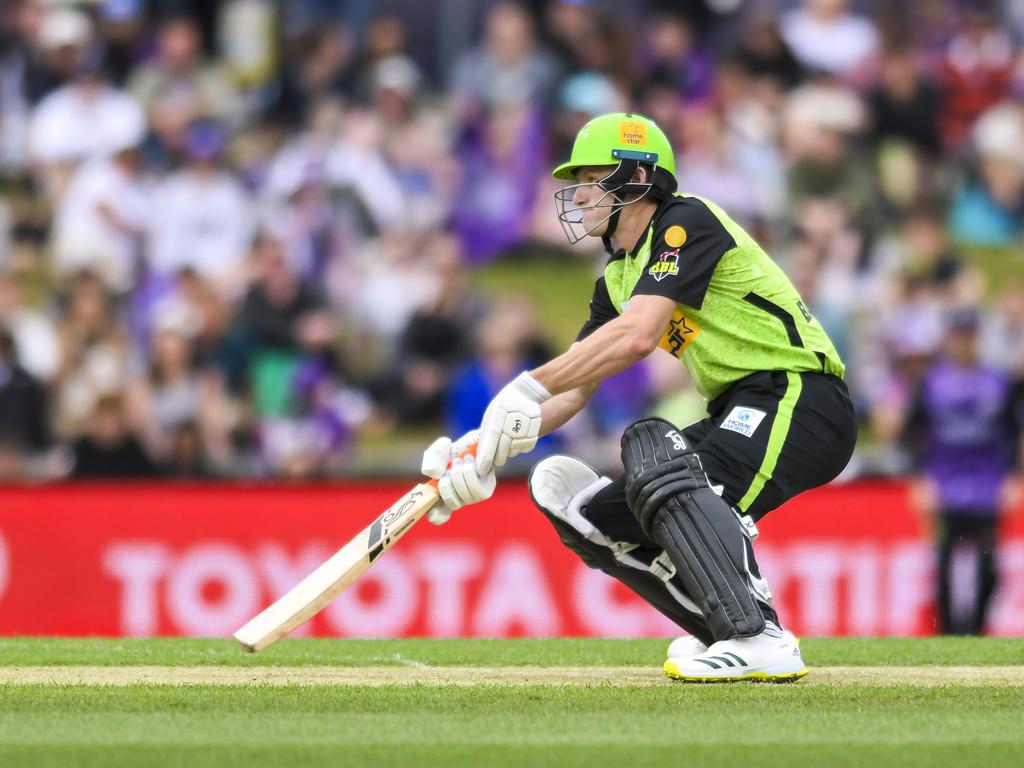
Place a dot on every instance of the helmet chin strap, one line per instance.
(613, 222)
(613, 183)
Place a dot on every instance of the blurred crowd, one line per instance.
(239, 238)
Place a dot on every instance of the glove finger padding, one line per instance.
(436, 458)
(439, 514)
(457, 486)
(478, 487)
(465, 485)
(462, 485)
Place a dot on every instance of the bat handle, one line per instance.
(470, 451)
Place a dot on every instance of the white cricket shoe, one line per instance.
(689, 645)
(686, 646)
(772, 657)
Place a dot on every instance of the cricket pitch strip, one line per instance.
(376, 676)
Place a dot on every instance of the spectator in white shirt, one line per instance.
(86, 119)
(201, 215)
(101, 218)
(826, 37)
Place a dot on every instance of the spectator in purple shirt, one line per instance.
(966, 433)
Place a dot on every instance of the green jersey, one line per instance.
(736, 311)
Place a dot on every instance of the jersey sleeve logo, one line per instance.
(666, 265)
(675, 236)
(633, 133)
(679, 334)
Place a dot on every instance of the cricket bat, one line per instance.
(313, 593)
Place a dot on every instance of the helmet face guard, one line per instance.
(615, 186)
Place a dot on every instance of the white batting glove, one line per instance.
(458, 481)
(511, 422)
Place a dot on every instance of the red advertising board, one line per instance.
(201, 560)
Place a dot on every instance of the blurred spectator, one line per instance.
(672, 53)
(907, 331)
(315, 438)
(283, 317)
(278, 308)
(62, 38)
(39, 50)
(509, 67)
(94, 353)
(507, 342)
(904, 130)
(826, 36)
(501, 161)
(436, 339)
(187, 459)
(32, 330)
(178, 88)
(204, 219)
(709, 162)
(583, 39)
(826, 170)
(1002, 339)
(384, 63)
(307, 220)
(988, 208)
(764, 53)
(58, 138)
(391, 282)
(924, 254)
(176, 397)
(415, 145)
(905, 102)
(109, 450)
(318, 64)
(966, 435)
(102, 217)
(357, 169)
(24, 426)
(121, 28)
(977, 71)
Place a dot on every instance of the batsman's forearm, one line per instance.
(610, 349)
(560, 408)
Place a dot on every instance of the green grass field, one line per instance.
(501, 703)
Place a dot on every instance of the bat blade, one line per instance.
(313, 593)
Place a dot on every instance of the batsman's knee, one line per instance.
(672, 468)
(561, 487)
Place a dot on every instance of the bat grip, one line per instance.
(470, 451)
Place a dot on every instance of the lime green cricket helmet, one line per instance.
(608, 139)
(623, 142)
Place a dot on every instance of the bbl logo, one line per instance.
(666, 265)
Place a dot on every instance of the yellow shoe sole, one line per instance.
(672, 671)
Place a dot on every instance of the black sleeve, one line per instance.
(688, 242)
(39, 433)
(601, 310)
(1015, 420)
(915, 427)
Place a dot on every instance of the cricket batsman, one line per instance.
(677, 525)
